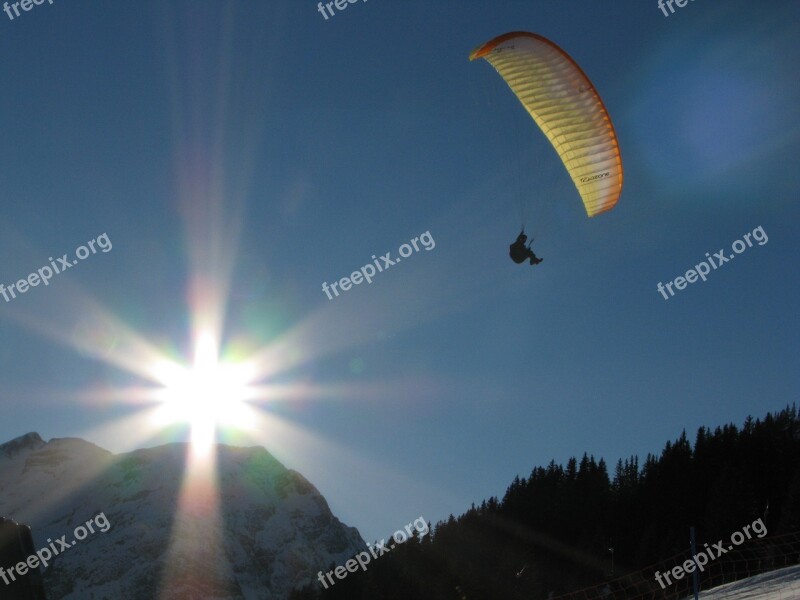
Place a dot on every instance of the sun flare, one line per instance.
(207, 395)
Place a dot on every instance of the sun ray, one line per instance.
(194, 559)
(209, 396)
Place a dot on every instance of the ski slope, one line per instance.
(783, 584)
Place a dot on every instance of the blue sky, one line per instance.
(295, 148)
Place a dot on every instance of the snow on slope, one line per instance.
(277, 531)
(783, 584)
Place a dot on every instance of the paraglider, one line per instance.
(565, 105)
(519, 252)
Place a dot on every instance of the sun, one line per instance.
(207, 395)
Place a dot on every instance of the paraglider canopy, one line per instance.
(565, 105)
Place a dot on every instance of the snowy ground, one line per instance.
(783, 584)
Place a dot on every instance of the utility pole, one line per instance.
(694, 553)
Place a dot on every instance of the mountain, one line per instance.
(252, 530)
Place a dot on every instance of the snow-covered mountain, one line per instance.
(256, 534)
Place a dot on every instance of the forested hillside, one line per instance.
(553, 530)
